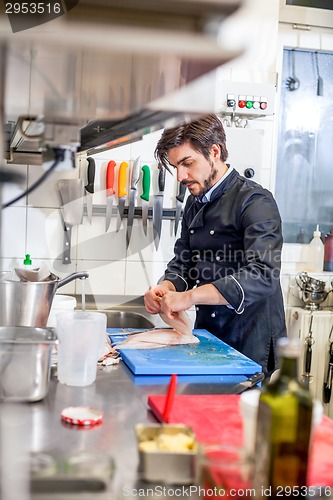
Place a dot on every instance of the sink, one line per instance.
(126, 319)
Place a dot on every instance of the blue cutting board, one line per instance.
(211, 356)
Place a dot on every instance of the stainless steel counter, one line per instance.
(124, 403)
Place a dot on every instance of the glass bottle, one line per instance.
(283, 428)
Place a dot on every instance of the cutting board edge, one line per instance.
(138, 370)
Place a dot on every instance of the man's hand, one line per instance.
(153, 296)
(173, 302)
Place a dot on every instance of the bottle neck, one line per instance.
(289, 367)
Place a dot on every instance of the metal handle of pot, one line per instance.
(73, 276)
(301, 279)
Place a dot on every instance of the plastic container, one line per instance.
(328, 252)
(81, 335)
(60, 303)
(315, 255)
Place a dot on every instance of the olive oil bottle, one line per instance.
(283, 428)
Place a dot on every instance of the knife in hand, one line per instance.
(110, 192)
(180, 199)
(90, 187)
(131, 206)
(122, 178)
(145, 196)
(158, 207)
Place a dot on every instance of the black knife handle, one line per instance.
(181, 193)
(256, 378)
(90, 175)
(161, 179)
(308, 359)
(327, 390)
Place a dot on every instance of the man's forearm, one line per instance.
(207, 295)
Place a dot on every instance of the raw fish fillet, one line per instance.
(181, 333)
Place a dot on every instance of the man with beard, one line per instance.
(227, 259)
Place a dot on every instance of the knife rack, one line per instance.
(100, 210)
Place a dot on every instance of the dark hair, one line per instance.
(201, 133)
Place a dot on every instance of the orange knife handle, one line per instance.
(110, 177)
(122, 175)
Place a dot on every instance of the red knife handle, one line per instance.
(110, 177)
(170, 398)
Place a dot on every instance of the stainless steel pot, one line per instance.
(306, 282)
(25, 362)
(312, 300)
(27, 303)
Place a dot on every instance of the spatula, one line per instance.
(72, 196)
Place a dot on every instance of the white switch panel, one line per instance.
(245, 98)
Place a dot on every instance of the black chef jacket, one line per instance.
(234, 242)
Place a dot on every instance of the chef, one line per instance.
(227, 259)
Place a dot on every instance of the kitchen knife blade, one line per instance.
(110, 192)
(90, 186)
(122, 177)
(145, 196)
(131, 205)
(158, 207)
(179, 204)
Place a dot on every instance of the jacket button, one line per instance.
(213, 315)
(192, 231)
(211, 231)
(197, 281)
(197, 308)
(218, 258)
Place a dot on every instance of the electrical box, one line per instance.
(245, 99)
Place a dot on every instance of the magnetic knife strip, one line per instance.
(168, 213)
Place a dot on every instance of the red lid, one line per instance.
(82, 415)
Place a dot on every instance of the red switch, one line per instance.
(263, 102)
(241, 101)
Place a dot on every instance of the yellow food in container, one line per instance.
(167, 453)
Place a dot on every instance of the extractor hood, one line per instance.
(108, 71)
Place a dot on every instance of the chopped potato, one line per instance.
(177, 443)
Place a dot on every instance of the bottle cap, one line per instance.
(289, 347)
(317, 232)
(27, 261)
(82, 415)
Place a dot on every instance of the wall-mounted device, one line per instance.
(246, 99)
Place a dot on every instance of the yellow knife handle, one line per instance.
(122, 177)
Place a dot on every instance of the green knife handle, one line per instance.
(181, 193)
(90, 175)
(161, 178)
(145, 182)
